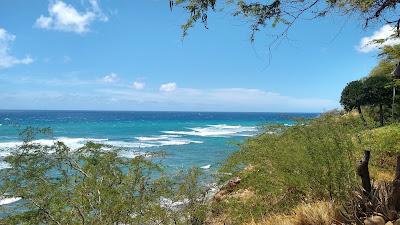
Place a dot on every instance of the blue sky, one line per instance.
(129, 55)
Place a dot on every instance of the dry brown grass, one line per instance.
(380, 175)
(243, 195)
(318, 213)
(275, 220)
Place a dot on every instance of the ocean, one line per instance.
(202, 139)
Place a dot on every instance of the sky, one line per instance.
(130, 55)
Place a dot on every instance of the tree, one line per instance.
(390, 57)
(92, 185)
(286, 13)
(378, 93)
(353, 97)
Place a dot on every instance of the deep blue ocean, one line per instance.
(202, 139)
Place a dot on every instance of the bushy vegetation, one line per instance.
(93, 185)
(373, 95)
(383, 139)
(313, 160)
(374, 92)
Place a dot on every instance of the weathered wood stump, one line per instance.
(363, 172)
(395, 195)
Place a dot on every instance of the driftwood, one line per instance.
(363, 172)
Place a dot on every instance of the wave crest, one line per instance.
(218, 130)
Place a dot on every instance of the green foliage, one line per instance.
(314, 160)
(196, 196)
(377, 90)
(372, 92)
(383, 139)
(93, 185)
(384, 68)
(390, 57)
(378, 94)
(263, 13)
(353, 95)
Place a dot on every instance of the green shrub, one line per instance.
(93, 185)
(383, 139)
(314, 160)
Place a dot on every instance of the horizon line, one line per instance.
(106, 110)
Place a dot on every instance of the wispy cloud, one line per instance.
(90, 94)
(220, 99)
(6, 59)
(110, 78)
(64, 17)
(138, 85)
(168, 87)
(367, 44)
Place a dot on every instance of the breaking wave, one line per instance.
(206, 167)
(130, 150)
(6, 201)
(164, 140)
(219, 130)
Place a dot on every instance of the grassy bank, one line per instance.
(307, 172)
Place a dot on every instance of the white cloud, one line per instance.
(220, 99)
(97, 10)
(6, 59)
(168, 87)
(138, 85)
(367, 45)
(92, 95)
(110, 78)
(65, 17)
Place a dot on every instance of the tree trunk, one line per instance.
(361, 115)
(396, 187)
(381, 114)
(363, 172)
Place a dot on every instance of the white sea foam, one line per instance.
(11, 144)
(125, 144)
(206, 167)
(6, 201)
(131, 154)
(150, 138)
(212, 189)
(4, 165)
(219, 130)
(157, 138)
(224, 126)
(179, 142)
(73, 143)
(164, 140)
(288, 125)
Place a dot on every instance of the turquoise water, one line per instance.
(201, 139)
